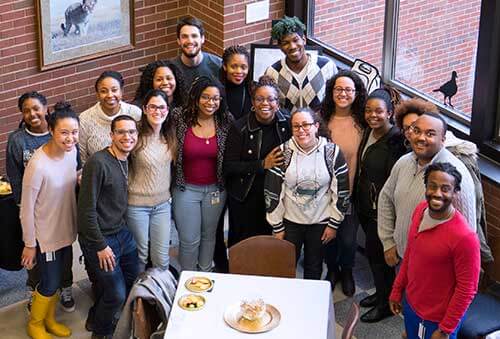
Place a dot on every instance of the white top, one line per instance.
(95, 127)
(305, 306)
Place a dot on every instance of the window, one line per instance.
(418, 45)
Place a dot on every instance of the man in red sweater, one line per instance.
(440, 269)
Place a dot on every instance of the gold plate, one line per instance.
(270, 320)
(198, 284)
(192, 302)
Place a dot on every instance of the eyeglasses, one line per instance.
(153, 108)
(122, 132)
(207, 98)
(306, 126)
(260, 100)
(418, 132)
(347, 90)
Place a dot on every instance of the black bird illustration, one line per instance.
(449, 88)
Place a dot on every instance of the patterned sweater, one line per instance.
(95, 127)
(405, 189)
(304, 89)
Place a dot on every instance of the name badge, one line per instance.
(215, 198)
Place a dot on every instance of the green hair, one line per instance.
(287, 25)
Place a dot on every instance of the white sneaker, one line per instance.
(67, 301)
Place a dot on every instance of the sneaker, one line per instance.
(29, 296)
(67, 301)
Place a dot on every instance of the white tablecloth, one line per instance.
(306, 307)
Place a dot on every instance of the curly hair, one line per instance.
(228, 53)
(358, 105)
(416, 106)
(287, 25)
(191, 108)
(167, 127)
(264, 81)
(445, 167)
(146, 82)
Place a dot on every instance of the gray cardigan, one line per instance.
(405, 188)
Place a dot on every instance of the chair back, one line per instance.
(145, 319)
(352, 320)
(368, 73)
(263, 255)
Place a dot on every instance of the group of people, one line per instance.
(304, 153)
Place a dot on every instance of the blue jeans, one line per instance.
(115, 285)
(51, 268)
(342, 250)
(412, 321)
(196, 211)
(151, 225)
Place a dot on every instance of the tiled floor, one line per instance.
(13, 315)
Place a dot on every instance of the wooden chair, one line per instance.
(263, 255)
(352, 320)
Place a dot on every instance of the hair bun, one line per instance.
(62, 106)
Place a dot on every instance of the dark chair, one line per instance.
(351, 322)
(146, 319)
(263, 255)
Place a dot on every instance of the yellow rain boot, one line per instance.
(39, 309)
(51, 324)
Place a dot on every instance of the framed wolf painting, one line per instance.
(71, 31)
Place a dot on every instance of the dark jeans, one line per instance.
(67, 274)
(220, 251)
(383, 274)
(115, 285)
(310, 237)
(342, 250)
(51, 268)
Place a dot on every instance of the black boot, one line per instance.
(377, 313)
(347, 280)
(369, 301)
(332, 276)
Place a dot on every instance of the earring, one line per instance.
(252, 109)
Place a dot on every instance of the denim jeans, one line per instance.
(67, 275)
(51, 268)
(412, 322)
(342, 250)
(151, 227)
(196, 212)
(314, 249)
(115, 285)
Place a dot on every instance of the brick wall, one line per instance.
(434, 38)
(236, 31)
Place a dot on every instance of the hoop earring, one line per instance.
(252, 108)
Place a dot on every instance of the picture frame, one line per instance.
(264, 55)
(72, 31)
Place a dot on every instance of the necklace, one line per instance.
(123, 170)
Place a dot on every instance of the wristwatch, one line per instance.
(447, 335)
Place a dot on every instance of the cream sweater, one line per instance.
(95, 127)
(150, 177)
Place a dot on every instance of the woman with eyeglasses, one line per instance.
(307, 194)
(149, 209)
(342, 112)
(48, 217)
(202, 126)
(95, 122)
(382, 145)
(252, 149)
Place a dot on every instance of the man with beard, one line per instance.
(301, 77)
(192, 61)
(108, 246)
(440, 269)
(404, 188)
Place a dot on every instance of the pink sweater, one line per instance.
(440, 270)
(345, 133)
(48, 201)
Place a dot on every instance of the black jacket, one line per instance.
(241, 159)
(373, 169)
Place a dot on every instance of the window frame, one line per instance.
(484, 125)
